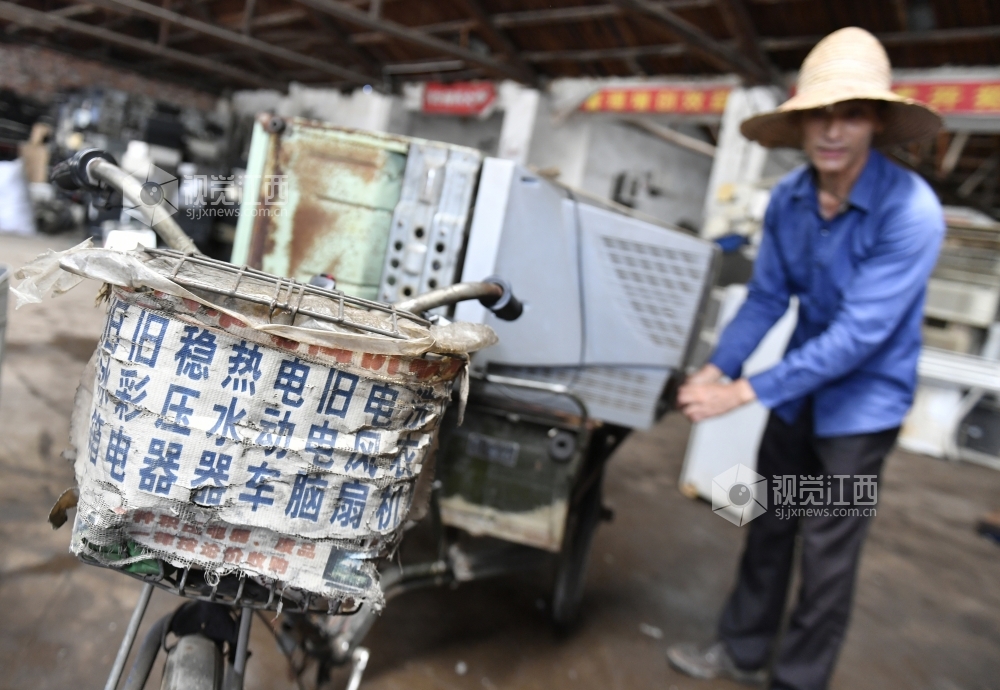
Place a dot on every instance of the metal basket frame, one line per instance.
(234, 589)
(288, 294)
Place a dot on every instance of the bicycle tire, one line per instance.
(571, 563)
(195, 663)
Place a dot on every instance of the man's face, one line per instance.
(838, 137)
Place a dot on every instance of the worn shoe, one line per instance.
(713, 662)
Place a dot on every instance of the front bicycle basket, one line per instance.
(240, 435)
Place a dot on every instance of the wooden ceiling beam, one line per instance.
(452, 27)
(74, 10)
(449, 77)
(723, 56)
(740, 25)
(347, 13)
(598, 54)
(164, 32)
(138, 7)
(268, 27)
(768, 44)
(157, 68)
(282, 18)
(311, 35)
(499, 39)
(423, 67)
(67, 12)
(362, 58)
(249, 7)
(43, 21)
(507, 20)
(234, 20)
(583, 13)
(895, 38)
(557, 15)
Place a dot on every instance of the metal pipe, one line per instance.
(360, 663)
(234, 680)
(458, 292)
(130, 631)
(246, 617)
(146, 655)
(156, 210)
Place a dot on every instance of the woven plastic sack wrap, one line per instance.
(205, 440)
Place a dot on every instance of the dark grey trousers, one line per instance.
(831, 547)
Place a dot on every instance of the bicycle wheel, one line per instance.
(194, 663)
(571, 563)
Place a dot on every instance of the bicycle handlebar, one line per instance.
(494, 293)
(95, 170)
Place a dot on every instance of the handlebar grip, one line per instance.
(506, 307)
(63, 177)
(71, 174)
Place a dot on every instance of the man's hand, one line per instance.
(700, 401)
(707, 374)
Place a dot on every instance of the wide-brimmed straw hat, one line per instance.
(849, 64)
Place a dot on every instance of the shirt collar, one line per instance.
(863, 192)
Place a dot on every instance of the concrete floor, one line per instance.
(928, 601)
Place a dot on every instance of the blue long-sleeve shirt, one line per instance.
(861, 280)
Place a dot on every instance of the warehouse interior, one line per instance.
(624, 111)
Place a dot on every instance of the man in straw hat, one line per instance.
(855, 238)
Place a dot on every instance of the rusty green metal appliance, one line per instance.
(385, 215)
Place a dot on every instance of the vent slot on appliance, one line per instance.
(655, 279)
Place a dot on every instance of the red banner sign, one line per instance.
(948, 97)
(954, 98)
(461, 98)
(685, 100)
